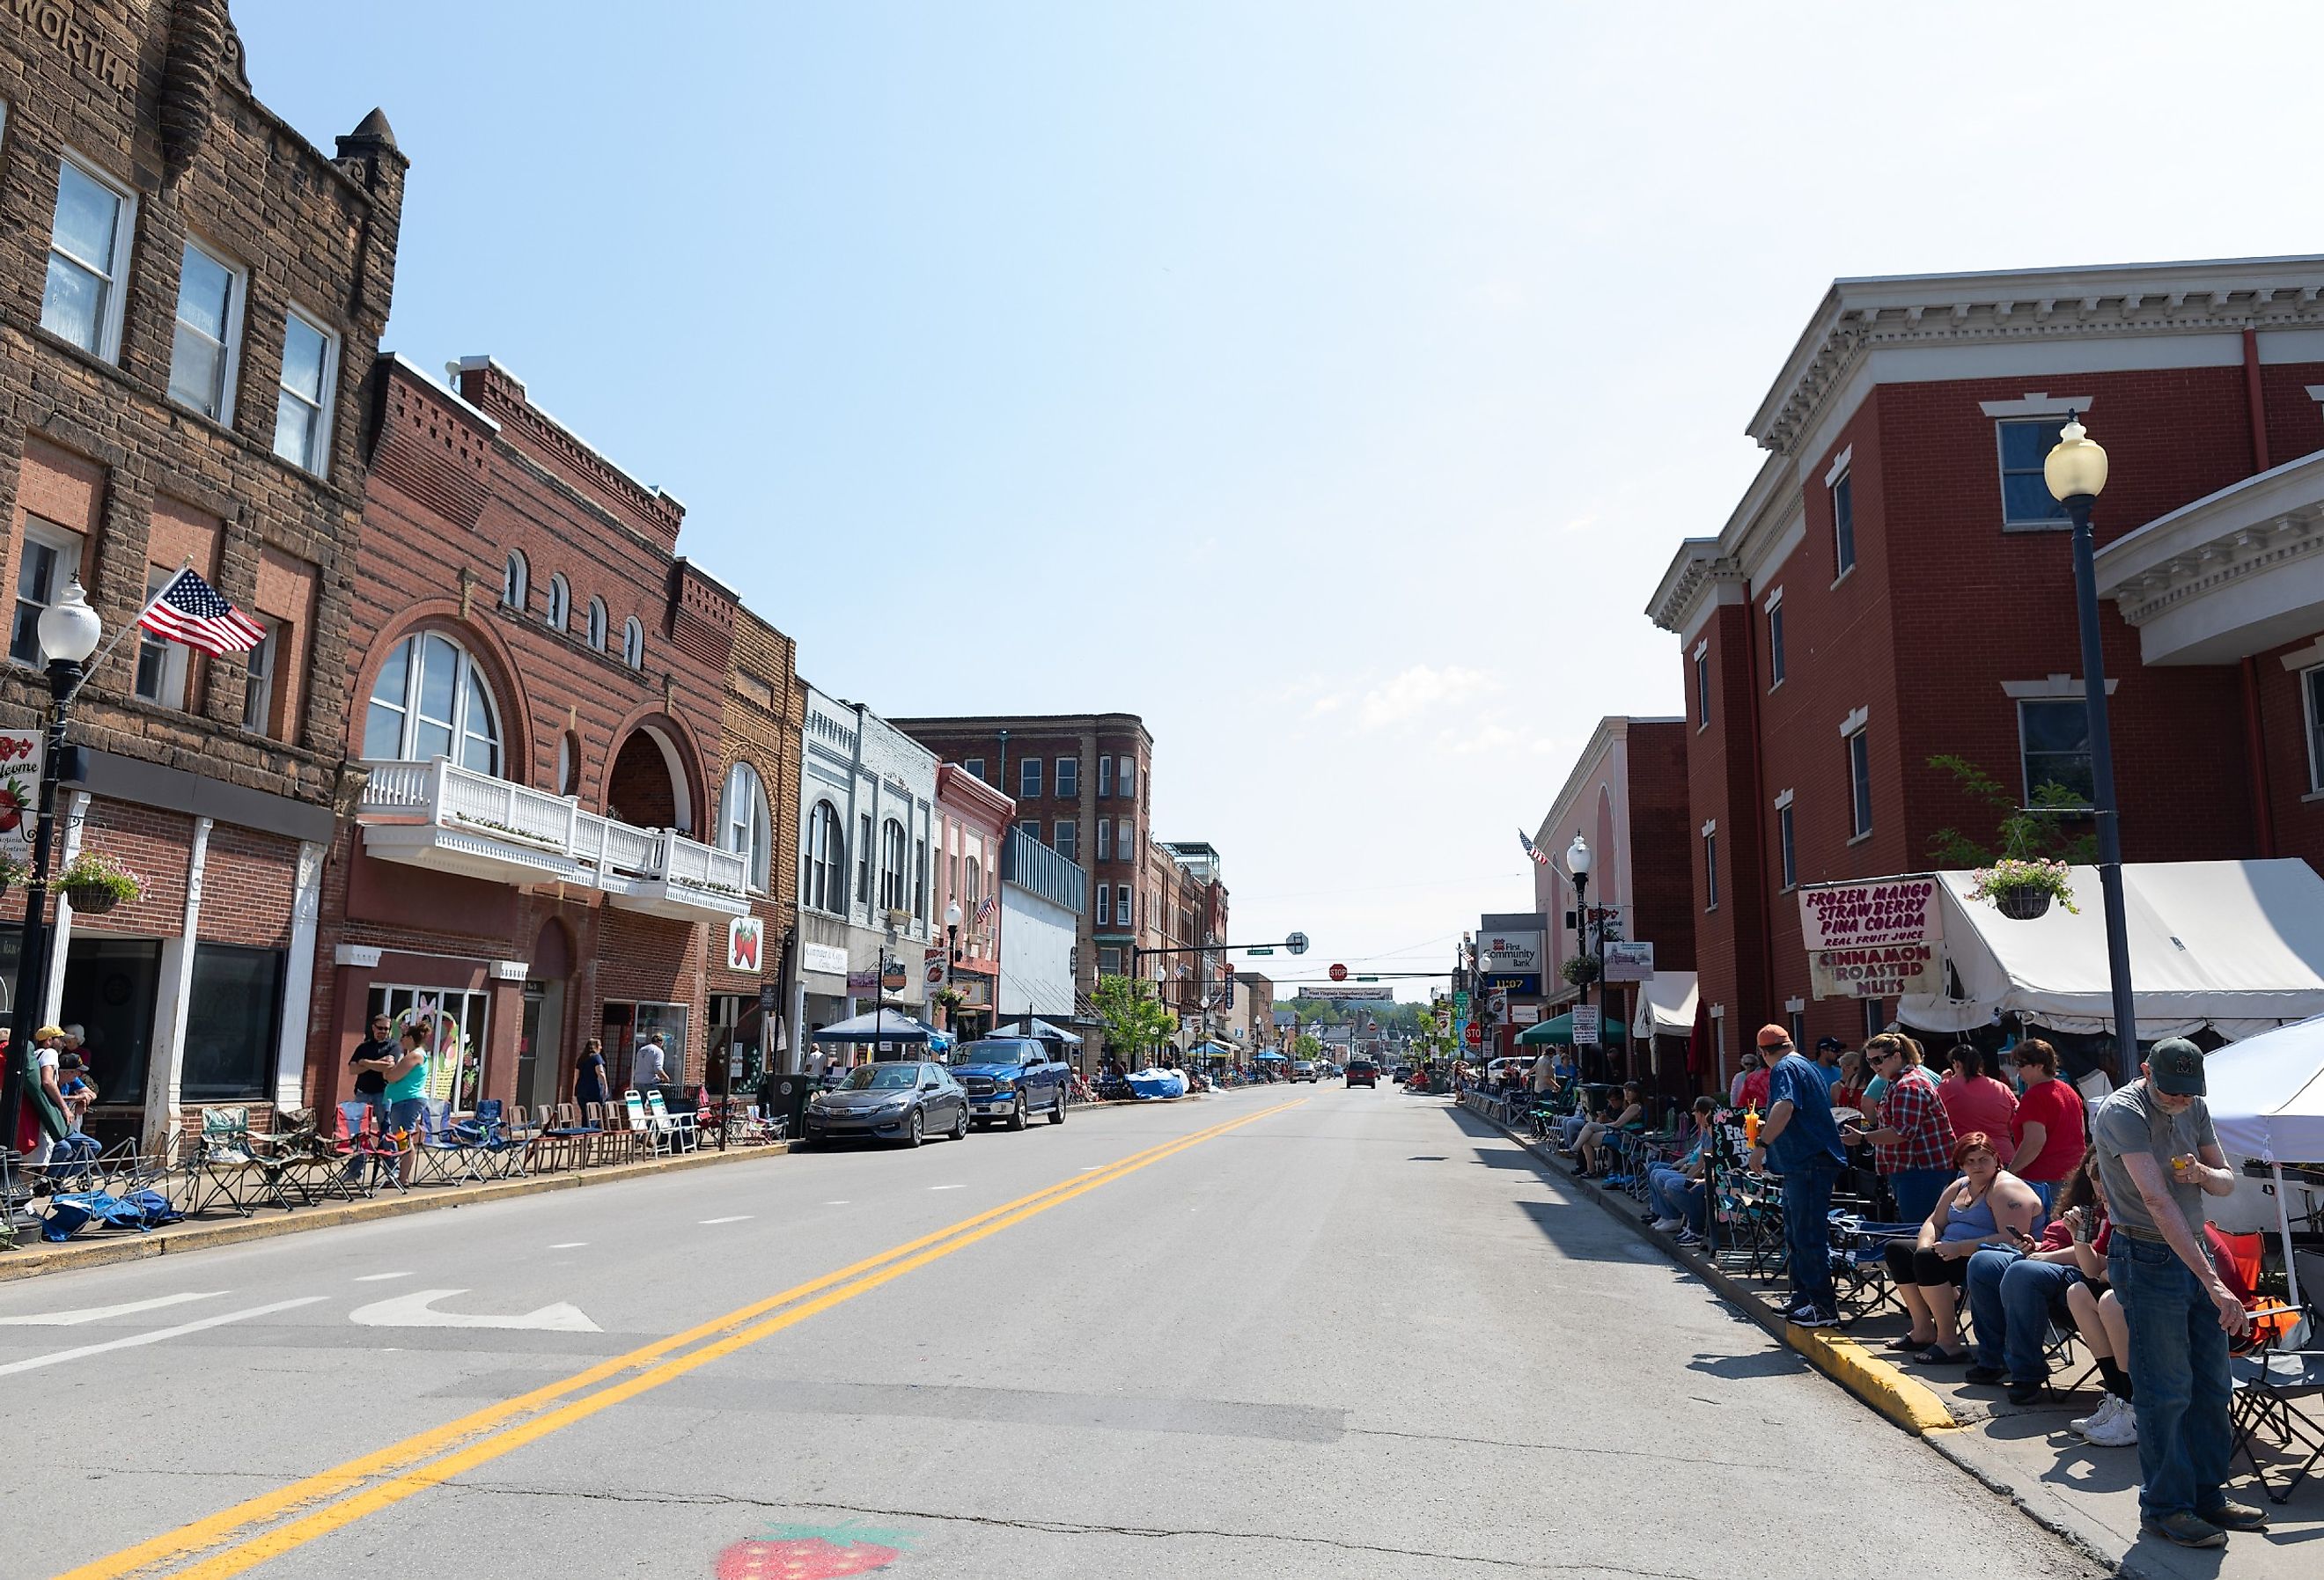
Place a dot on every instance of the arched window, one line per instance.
(891, 865)
(633, 644)
(745, 824)
(597, 624)
(516, 582)
(824, 883)
(561, 602)
(568, 764)
(432, 701)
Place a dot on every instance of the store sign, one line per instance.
(746, 937)
(1525, 1015)
(1883, 971)
(20, 792)
(828, 958)
(1509, 954)
(1585, 1025)
(1860, 916)
(1629, 962)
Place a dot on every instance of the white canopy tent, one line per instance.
(1666, 1005)
(2235, 945)
(2266, 1097)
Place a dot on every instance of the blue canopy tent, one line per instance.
(886, 1026)
(1273, 1058)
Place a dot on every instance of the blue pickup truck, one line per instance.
(1008, 1079)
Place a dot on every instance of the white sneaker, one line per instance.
(2080, 1424)
(2122, 1432)
(1666, 1225)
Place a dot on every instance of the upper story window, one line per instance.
(864, 859)
(1125, 905)
(47, 562)
(89, 255)
(1702, 686)
(1105, 840)
(1843, 526)
(432, 701)
(1789, 846)
(920, 878)
(1028, 779)
(1776, 640)
(1067, 843)
(560, 602)
(1711, 866)
(1129, 776)
(1859, 783)
(1125, 843)
(746, 825)
(597, 624)
(302, 406)
(208, 335)
(261, 698)
(975, 765)
(2312, 695)
(161, 664)
(1069, 776)
(516, 582)
(824, 885)
(1105, 905)
(891, 865)
(1030, 827)
(2025, 499)
(2055, 740)
(1105, 776)
(633, 644)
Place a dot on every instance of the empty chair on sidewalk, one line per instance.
(232, 1167)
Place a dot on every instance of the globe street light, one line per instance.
(2076, 471)
(952, 953)
(69, 632)
(1577, 862)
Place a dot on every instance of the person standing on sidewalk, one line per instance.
(2047, 1129)
(2158, 1156)
(1914, 1144)
(1800, 1136)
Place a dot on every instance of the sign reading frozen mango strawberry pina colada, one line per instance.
(1872, 938)
(20, 779)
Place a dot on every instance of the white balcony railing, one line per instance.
(438, 814)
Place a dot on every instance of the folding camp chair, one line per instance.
(681, 1129)
(372, 1156)
(447, 1156)
(2279, 1382)
(1859, 1265)
(311, 1161)
(486, 1134)
(234, 1167)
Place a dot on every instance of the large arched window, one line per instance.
(561, 602)
(824, 885)
(597, 624)
(891, 865)
(633, 644)
(432, 701)
(745, 824)
(516, 581)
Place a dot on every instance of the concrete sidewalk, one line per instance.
(2087, 1495)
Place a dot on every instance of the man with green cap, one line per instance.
(2158, 1156)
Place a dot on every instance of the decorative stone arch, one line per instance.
(650, 739)
(489, 653)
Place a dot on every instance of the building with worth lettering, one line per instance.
(1896, 589)
(190, 300)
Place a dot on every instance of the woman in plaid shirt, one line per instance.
(1914, 1142)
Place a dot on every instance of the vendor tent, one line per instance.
(1048, 1032)
(1666, 1004)
(884, 1026)
(1271, 1057)
(2267, 1095)
(2235, 945)
(1559, 1029)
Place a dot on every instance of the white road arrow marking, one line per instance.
(412, 1311)
(133, 1340)
(99, 1313)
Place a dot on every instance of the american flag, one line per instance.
(191, 611)
(1540, 857)
(984, 909)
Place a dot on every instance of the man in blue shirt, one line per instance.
(1800, 1137)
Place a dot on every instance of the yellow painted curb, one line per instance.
(1912, 1405)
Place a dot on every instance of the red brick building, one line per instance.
(540, 718)
(1896, 585)
(972, 822)
(190, 301)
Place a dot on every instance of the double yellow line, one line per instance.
(291, 1516)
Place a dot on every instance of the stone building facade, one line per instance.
(191, 296)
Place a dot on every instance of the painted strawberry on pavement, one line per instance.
(811, 1552)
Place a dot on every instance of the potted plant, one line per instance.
(95, 883)
(1581, 970)
(12, 870)
(2021, 888)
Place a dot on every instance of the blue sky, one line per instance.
(1327, 383)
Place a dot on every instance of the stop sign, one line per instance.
(1339, 974)
(1476, 1035)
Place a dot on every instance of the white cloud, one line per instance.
(1420, 690)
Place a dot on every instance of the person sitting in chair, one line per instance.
(1633, 1112)
(2016, 1293)
(1987, 1206)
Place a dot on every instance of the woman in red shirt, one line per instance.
(1974, 1100)
(2048, 1128)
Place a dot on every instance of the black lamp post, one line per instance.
(2076, 471)
(69, 632)
(1578, 858)
(951, 954)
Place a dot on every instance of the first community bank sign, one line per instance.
(1871, 940)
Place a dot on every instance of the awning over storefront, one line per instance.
(1666, 1004)
(2235, 945)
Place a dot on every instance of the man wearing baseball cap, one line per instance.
(2157, 1156)
(1800, 1137)
(1827, 1050)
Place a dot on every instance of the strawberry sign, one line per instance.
(19, 775)
(811, 1552)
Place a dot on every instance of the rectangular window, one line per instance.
(1069, 777)
(1105, 776)
(1843, 526)
(1125, 842)
(49, 561)
(1109, 961)
(2311, 688)
(208, 333)
(2024, 445)
(1859, 784)
(920, 878)
(1104, 904)
(1774, 645)
(161, 664)
(1028, 779)
(1876, 1017)
(1799, 1023)
(975, 765)
(1067, 843)
(1701, 689)
(1790, 850)
(1105, 840)
(261, 701)
(1125, 911)
(88, 252)
(234, 1019)
(1030, 827)
(864, 859)
(1710, 870)
(302, 406)
(1129, 776)
(2055, 737)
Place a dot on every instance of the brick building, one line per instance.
(539, 712)
(973, 819)
(758, 810)
(1896, 585)
(190, 301)
(1083, 787)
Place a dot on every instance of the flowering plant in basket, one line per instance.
(2024, 887)
(95, 876)
(13, 870)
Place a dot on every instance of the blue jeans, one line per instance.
(2011, 1298)
(1807, 1231)
(1675, 1196)
(2179, 1373)
(1916, 1191)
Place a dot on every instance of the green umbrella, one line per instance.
(1559, 1031)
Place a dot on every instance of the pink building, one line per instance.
(972, 819)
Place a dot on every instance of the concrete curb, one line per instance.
(177, 1239)
(1902, 1399)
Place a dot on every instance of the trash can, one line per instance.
(790, 1102)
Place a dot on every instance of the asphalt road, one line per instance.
(1271, 1333)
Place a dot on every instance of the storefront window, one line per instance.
(628, 1024)
(234, 1019)
(111, 986)
(455, 1020)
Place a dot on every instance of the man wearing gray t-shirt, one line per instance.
(2158, 1156)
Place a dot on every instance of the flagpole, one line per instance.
(97, 663)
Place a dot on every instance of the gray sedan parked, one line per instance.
(896, 1101)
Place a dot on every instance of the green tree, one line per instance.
(1133, 1014)
(1306, 1048)
(2053, 827)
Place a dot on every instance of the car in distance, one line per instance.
(1402, 1073)
(1010, 1078)
(1363, 1072)
(1305, 1071)
(902, 1100)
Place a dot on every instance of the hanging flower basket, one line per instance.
(2023, 890)
(95, 883)
(1580, 970)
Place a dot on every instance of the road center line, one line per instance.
(499, 1429)
(36, 1361)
